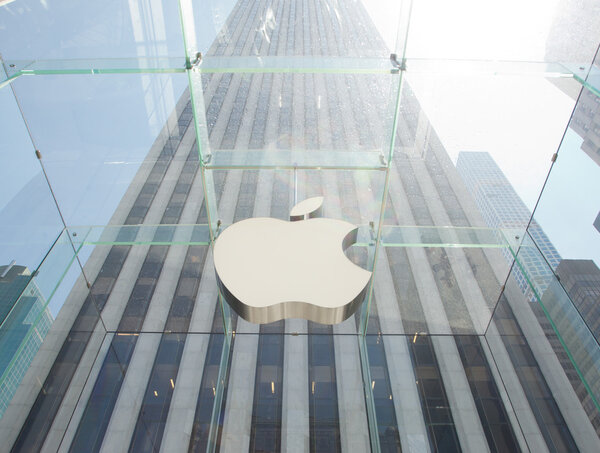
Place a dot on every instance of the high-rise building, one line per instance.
(25, 322)
(580, 279)
(502, 208)
(586, 123)
(142, 358)
(13, 280)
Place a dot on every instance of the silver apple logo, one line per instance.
(270, 269)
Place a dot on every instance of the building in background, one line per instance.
(580, 279)
(25, 322)
(502, 208)
(150, 380)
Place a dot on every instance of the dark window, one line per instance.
(150, 426)
(322, 386)
(550, 421)
(493, 416)
(436, 408)
(265, 431)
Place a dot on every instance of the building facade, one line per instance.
(502, 208)
(24, 327)
(451, 358)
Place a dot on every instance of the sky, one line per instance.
(519, 120)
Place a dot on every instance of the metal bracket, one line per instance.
(398, 65)
(197, 61)
(372, 231)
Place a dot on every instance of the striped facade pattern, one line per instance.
(133, 363)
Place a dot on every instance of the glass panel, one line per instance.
(29, 220)
(461, 121)
(567, 312)
(322, 114)
(593, 78)
(493, 415)
(68, 341)
(379, 394)
(315, 412)
(526, 339)
(101, 138)
(334, 28)
(537, 33)
(153, 287)
(409, 236)
(295, 65)
(112, 29)
(283, 159)
(573, 228)
(140, 234)
(473, 68)
(27, 320)
(283, 101)
(351, 195)
(141, 64)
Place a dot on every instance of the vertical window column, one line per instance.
(265, 432)
(322, 386)
(434, 401)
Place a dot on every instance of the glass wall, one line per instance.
(135, 133)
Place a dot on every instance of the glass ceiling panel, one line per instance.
(29, 219)
(108, 29)
(540, 30)
(336, 28)
(95, 66)
(328, 114)
(566, 224)
(517, 121)
(98, 135)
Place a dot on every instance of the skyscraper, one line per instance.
(25, 322)
(502, 208)
(140, 356)
(581, 281)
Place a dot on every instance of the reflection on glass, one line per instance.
(29, 304)
(567, 209)
(29, 219)
(95, 133)
(112, 29)
(306, 114)
(543, 405)
(537, 34)
(291, 100)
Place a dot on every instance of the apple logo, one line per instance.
(269, 269)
